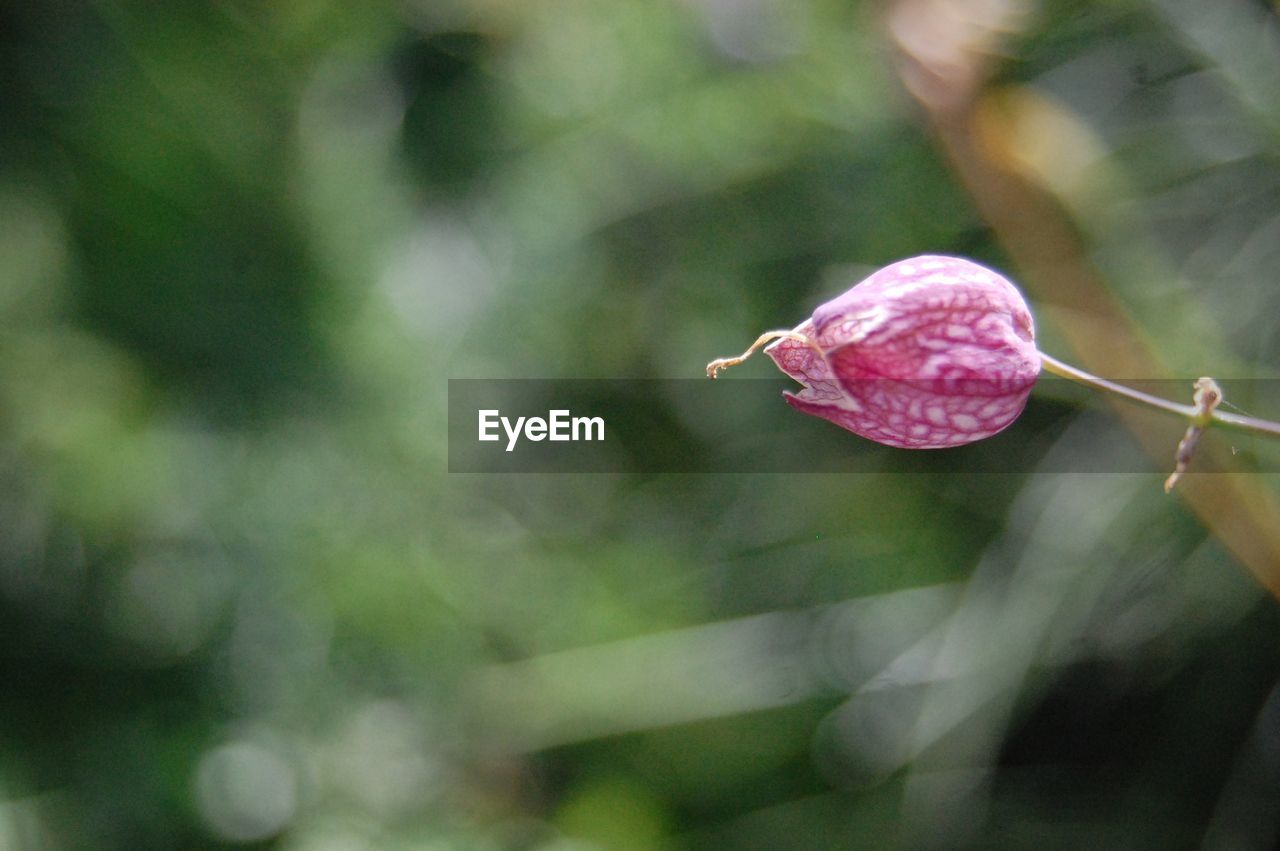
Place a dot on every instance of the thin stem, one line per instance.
(719, 364)
(1238, 422)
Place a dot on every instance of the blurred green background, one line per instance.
(244, 244)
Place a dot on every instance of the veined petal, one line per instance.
(926, 353)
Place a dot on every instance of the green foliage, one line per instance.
(243, 245)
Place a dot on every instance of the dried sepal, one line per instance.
(1206, 398)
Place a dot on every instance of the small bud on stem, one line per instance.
(933, 352)
(926, 353)
(1206, 398)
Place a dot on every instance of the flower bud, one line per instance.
(926, 353)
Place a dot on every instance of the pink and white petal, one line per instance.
(803, 364)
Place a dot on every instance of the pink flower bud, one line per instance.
(926, 353)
